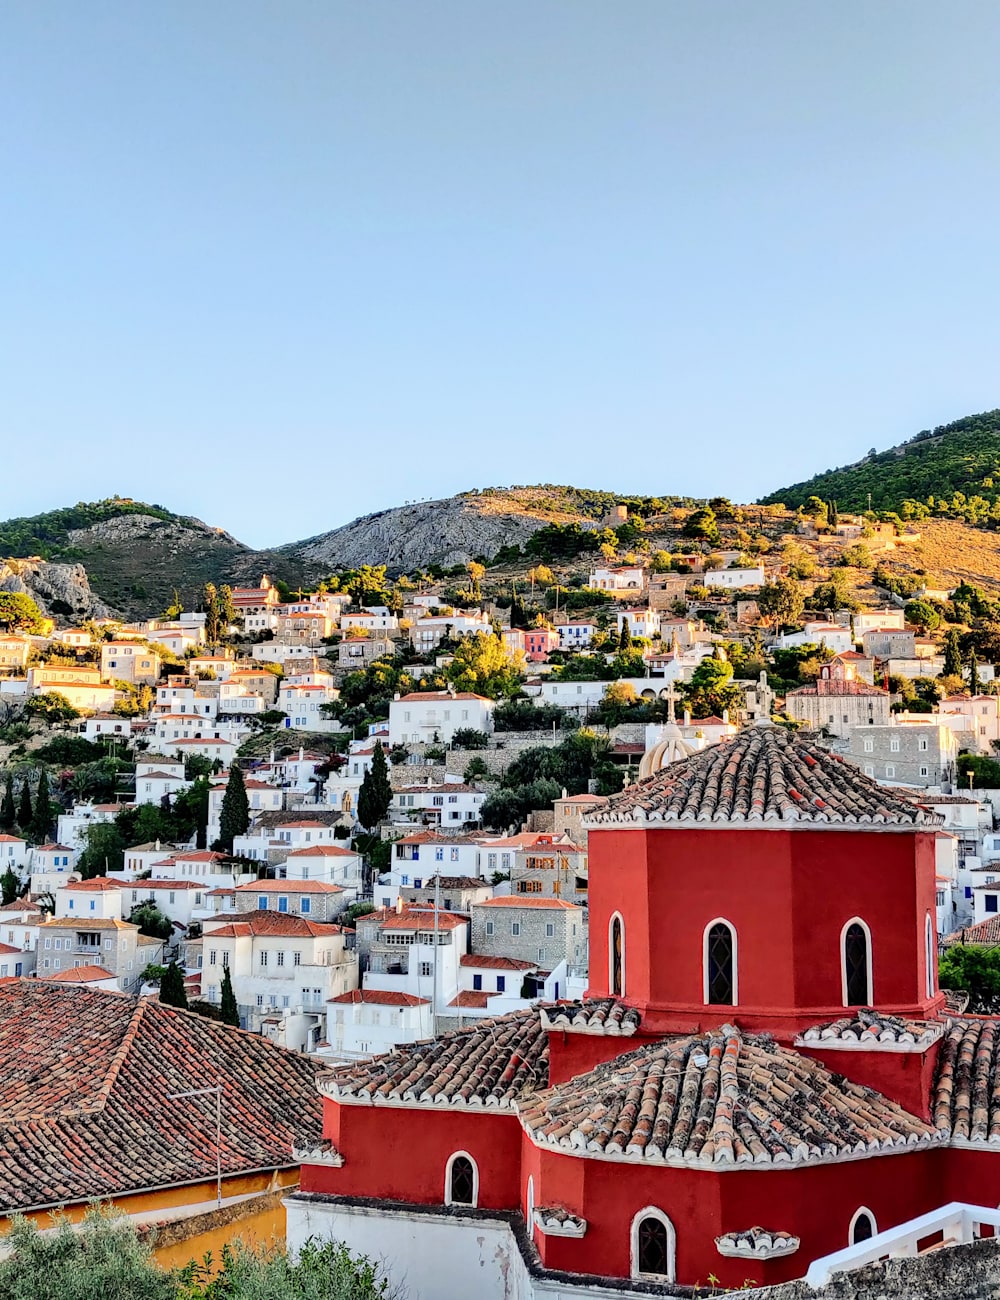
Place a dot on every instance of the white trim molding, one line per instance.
(861, 1210)
(856, 920)
(720, 920)
(652, 1212)
(455, 1155)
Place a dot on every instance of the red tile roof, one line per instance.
(85, 1084)
(870, 1028)
(471, 998)
(762, 775)
(321, 851)
(423, 920)
(96, 885)
(984, 934)
(288, 887)
(492, 1064)
(598, 1016)
(442, 695)
(718, 1098)
(380, 998)
(79, 975)
(282, 924)
(480, 961)
(965, 1103)
(526, 900)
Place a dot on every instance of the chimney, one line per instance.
(725, 715)
(399, 905)
(687, 717)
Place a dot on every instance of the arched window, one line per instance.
(461, 1180)
(931, 944)
(856, 964)
(720, 964)
(616, 956)
(862, 1227)
(653, 1245)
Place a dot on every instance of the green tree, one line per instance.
(100, 1259)
(230, 1011)
(701, 524)
(470, 738)
(625, 637)
(857, 556)
(19, 613)
(25, 813)
(41, 821)
(210, 606)
(922, 614)
(10, 887)
(781, 602)
(103, 852)
(322, 1270)
(483, 665)
(227, 610)
(8, 813)
(234, 816)
(151, 921)
(974, 970)
(710, 690)
(375, 795)
(973, 674)
(172, 991)
(660, 562)
(952, 654)
(52, 707)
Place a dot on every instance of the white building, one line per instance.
(624, 578)
(158, 779)
(13, 853)
(451, 804)
(576, 634)
(641, 622)
(414, 950)
(427, 633)
(735, 579)
(426, 717)
(368, 1021)
(831, 635)
(304, 706)
(327, 863)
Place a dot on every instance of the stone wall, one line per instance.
(971, 1272)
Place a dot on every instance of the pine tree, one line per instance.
(24, 810)
(973, 674)
(172, 992)
(41, 822)
(234, 817)
(952, 654)
(8, 814)
(210, 604)
(625, 637)
(10, 887)
(375, 795)
(230, 1011)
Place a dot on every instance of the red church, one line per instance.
(763, 1071)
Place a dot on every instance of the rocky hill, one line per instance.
(60, 590)
(457, 529)
(934, 465)
(134, 556)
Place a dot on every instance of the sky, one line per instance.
(279, 264)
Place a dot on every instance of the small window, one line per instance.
(477, 983)
(862, 1228)
(857, 965)
(515, 929)
(652, 1246)
(501, 983)
(461, 1181)
(720, 964)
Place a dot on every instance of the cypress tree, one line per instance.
(8, 814)
(973, 674)
(230, 1011)
(952, 654)
(10, 887)
(375, 795)
(41, 822)
(625, 636)
(172, 992)
(24, 810)
(234, 817)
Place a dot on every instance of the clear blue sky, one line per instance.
(279, 264)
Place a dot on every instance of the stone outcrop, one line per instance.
(448, 532)
(60, 590)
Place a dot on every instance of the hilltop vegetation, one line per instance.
(951, 472)
(48, 535)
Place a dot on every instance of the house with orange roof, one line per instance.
(433, 717)
(365, 1022)
(283, 969)
(414, 949)
(531, 928)
(13, 853)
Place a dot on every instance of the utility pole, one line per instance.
(434, 968)
(206, 1092)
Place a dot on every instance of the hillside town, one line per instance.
(382, 826)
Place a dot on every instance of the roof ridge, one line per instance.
(120, 1057)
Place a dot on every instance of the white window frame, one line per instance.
(720, 920)
(930, 954)
(653, 1212)
(862, 1209)
(616, 916)
(475, 1181)
(856, 920)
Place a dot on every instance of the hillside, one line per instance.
(134, 554)
(962, 457)
(460, 528)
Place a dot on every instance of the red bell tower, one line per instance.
(764, 882)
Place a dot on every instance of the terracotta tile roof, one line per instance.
(491, 1064)
(956, 1001)
(288, 887)
(86, 923)
(453, 882)
(869, 1028)
(554, 1221)
(984, 934)
(442, 695)
(718, 1098)
(454, 788)
(6, 949)
(79, 975)
(96, 885)
(471, 998)
(321, 851)
(21, 905)
(160, 884)
(828, 686)
(422, 920)
(11, 839)
(600, 1016)
(762, 775)
(379, 998)
(966, 1098)
(756, 1243)
(525, 900)
(85, 1084)
(479, 961)
(277, 924)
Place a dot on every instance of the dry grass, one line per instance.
(951, 552)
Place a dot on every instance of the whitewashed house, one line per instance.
(433, 717)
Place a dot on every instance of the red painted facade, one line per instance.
(788, 894)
